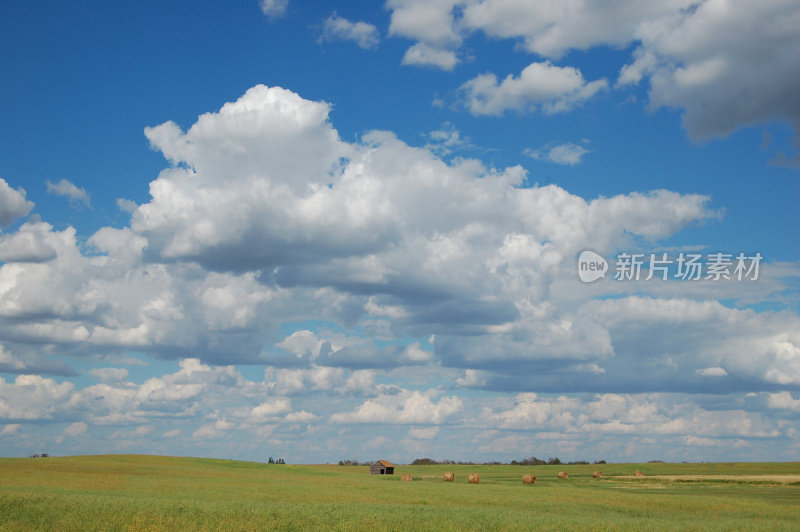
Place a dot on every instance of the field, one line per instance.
(131, 492)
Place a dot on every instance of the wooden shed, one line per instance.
(381, 467)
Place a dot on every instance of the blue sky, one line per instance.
(326, 231)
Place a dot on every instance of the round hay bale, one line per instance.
(562, 474)
(406, 477)
(597, 474)
(474, 478)
(449, 477)
(528, 479)
(638, 474)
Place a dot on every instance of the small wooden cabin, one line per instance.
(381, 467)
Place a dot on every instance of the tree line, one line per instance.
(525, 461)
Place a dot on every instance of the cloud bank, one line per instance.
(376, 283)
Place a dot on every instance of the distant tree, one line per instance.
(553, 461)
(271, 460)
(531, 461)
(423, 461)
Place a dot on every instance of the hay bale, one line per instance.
(528, 479)
(597, 474)
(638, 474)
(449, 477)
(474, 478)
(406, 476)
(562, 474)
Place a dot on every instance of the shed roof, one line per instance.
(385, 463)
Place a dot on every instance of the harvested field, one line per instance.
(130, 492)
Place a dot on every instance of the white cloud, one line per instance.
(70, 191)
(550, 28)
(269, 240)
(126, 205)
(246, 231)
(783, 400)
(336, 28)
(422, 54)
(32, 397)
(12, 203)
(75, 429)
(270, 410)
(10, 429)
(299, 417)
(431, 23)
(472, 378)
(427, 20)
(31, 243)
(109, 375)
(568, 153)
(727, 64)
(711, 372)
(704, 442)
(274, 8)
(446, 140)
(404, 408)
(426, 433)
(142, 430)
(302, 343)
(552, 88)
(628, 414)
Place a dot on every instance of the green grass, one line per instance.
(126, 492)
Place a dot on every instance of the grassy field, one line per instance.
(127, 492)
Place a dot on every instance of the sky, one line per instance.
(455, 229)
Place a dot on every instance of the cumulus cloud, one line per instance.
(568, 154)
(126, 205)
(12, 203)
(551, 88)
(431, 23)
(270, 410)
(274, 8)
(725, 64)
(422, 54)
(426, 433)
(32, 397)
(70, 191)
(28, 244)
(783, 400)
(662, 414)
(446, 140)
(336, 28)
(269, 240)
(10, 429)
(245, 231)
(551, 28)
(407, 407)
(109, 374)
(712, 372)
(75, 429)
